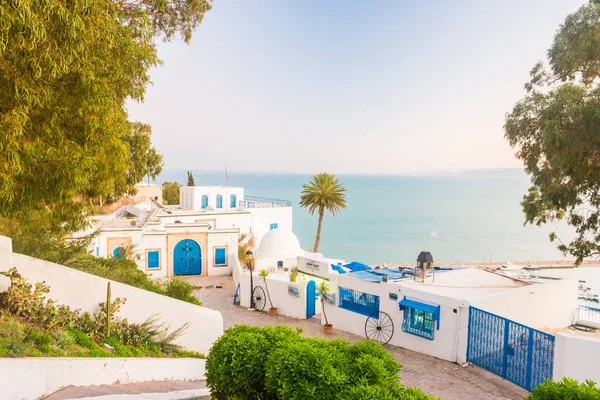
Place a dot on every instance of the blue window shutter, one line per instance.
(220, 256)
(97, 251)
(233, 203)
(153, 259)
(219, 201)
(204, 201)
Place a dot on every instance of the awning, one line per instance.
(435, 310)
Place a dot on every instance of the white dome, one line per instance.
(279, 244)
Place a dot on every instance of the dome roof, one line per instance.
(279, 244)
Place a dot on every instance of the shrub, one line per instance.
(81, 338)
(42, 340)
(567, 388)
(276, 363)
(235, 367)
(179, 288)
(63, 339)
(12, 337)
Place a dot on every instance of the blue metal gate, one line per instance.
(311, 293)
(515, 352)
(187, 258)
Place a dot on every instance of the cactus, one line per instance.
(108, 310)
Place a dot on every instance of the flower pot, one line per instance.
(273, 311)
(328, 329)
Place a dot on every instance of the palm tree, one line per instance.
(263, 274)
(323, 191)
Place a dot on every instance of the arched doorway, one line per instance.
(119, 252)
(311, 295)
(187, 258)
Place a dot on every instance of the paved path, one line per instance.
(156, 390)
(435, 377)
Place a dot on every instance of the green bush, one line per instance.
(42, 340)
(12, 338)
(63, 339)
(235, 367)
(81, 338)
(567, 388)
(276, 363)
(179, 288)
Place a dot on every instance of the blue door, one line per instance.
(119, 252)
(311, 294)
(187, 258)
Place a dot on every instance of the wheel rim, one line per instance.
(259, 298)
(379, 327)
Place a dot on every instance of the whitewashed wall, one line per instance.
(262, 218)
(576, 357)
(225, 239)
(31, 378)
(80, 290)
(191, 196)
(285, 303)
(453, 325)
(548, 306)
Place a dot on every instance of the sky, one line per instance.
(347, 87)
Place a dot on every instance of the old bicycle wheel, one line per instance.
(379, 327)
(260, 299)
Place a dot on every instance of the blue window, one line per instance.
(358, 302)
(97, 251)
(153, 259)
(220, 256)
(420, 318)
(273, 226)
(233, 201)
(204, 201)
(219, 201)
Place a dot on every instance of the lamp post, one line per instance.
(249, 256)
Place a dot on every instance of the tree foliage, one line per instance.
(66, 70)
(145, 160)
(323, 192)
(190, 179)
(170, 192)
(556, 129)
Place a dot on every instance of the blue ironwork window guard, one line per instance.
(419, 318)
(358, 302)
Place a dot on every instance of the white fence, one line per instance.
(589, 315)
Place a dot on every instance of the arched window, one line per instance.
(233, 203)
(204, 201)
(219, 201)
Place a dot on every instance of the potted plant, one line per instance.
(324, 289)
(263, 274)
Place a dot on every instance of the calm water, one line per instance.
(459, 218)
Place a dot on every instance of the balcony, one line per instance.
(589, 315)
(263, 202)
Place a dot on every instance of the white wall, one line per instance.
(83, 291)
(31, 378)
(285, 303)
(453, 325)
(547, 306)
(262, 218)
(576, 357)
(191, 196)
(216, 239)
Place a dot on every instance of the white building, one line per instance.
(197, 237)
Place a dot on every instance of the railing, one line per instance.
(358, 302)
(263, 202)
(589, 314)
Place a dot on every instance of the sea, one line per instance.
(467, 217)
(473, 216)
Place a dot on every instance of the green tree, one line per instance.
(145, 160)
(323, 192)
(66, 71)
(170, 192)
(190, 177)
(556, 129)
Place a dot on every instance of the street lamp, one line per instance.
(249, 256)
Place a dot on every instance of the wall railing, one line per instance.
(358, 302)
(589, 314)
(263, 202)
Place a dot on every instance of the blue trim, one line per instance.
(204, 201)
(358, 302)
(219, 201)
(419, 318)
(232, 201)
(97, 251)
(273, 226)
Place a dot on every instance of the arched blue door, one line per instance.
(119, 252)
(187, 258)
(311, 293)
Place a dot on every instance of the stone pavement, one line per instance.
(435, 377)
(156, 390)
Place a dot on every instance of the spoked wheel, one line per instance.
(379, 327)
(260, 299)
